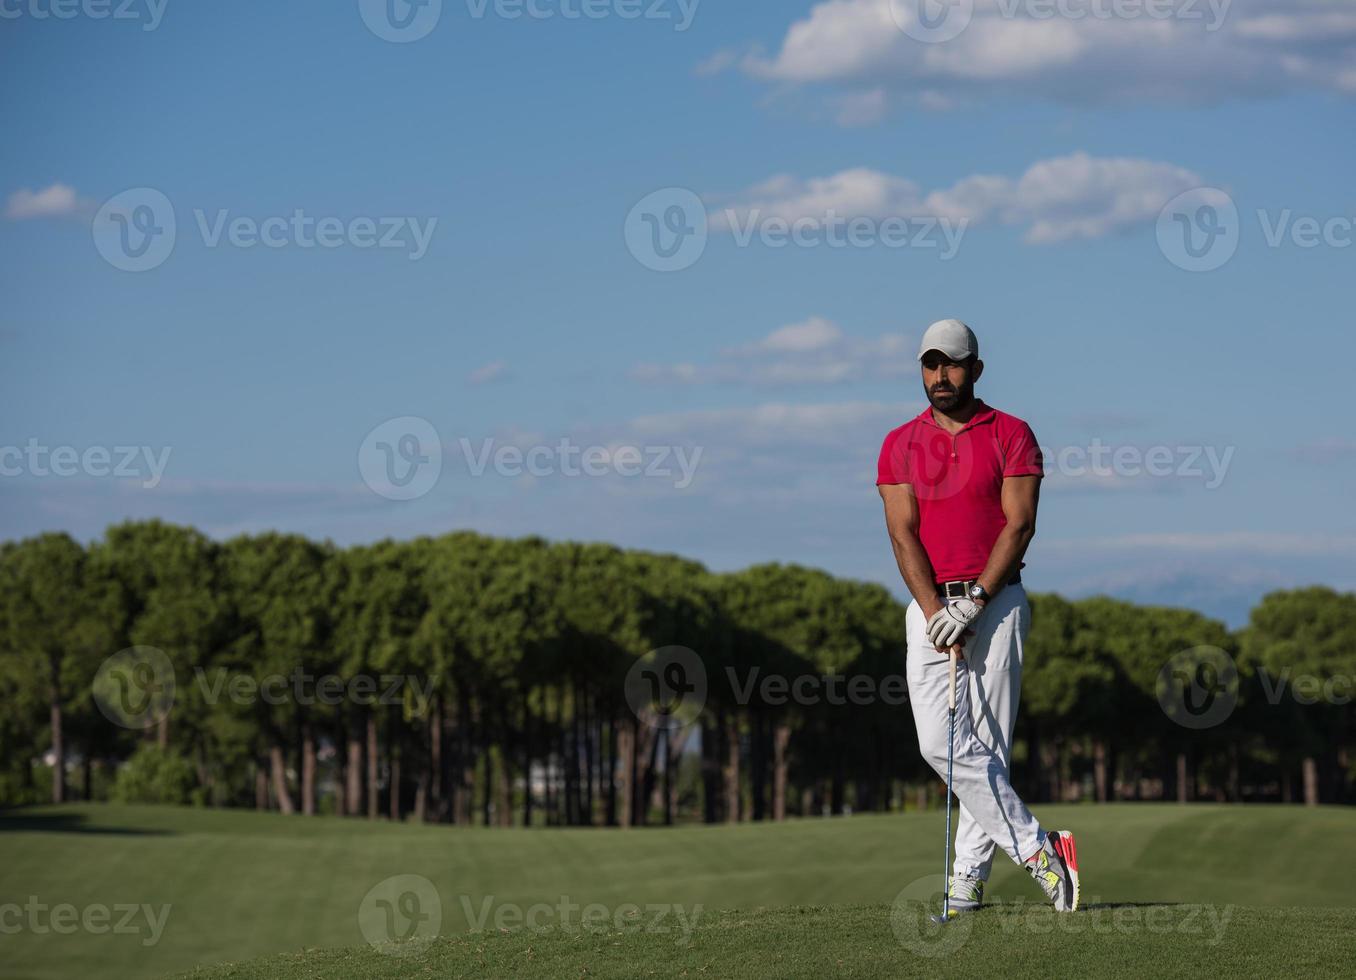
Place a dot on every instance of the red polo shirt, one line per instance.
(958, 483)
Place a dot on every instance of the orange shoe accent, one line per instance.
(1064, 844)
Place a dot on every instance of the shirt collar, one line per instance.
(985, 414)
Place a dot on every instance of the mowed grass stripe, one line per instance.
(243, 883)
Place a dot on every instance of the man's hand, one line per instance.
(948, 625)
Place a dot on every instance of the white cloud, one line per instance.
(494, 371)
(1059, 199)
(1080, 196)
(777, 424)
(859, 192)
(813, 458)
(862, 108)
(1211, 50)
(53, 201)
(814, 351)
(795, 456)
(717, 63)
(815, 333)
(1313, 25)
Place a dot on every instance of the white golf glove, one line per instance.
(948, 624)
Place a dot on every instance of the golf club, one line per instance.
(950, 758)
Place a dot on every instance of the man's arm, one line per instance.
(901, 520)
(1021, 494)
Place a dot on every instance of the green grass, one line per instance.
(240, 885)
(855, 941)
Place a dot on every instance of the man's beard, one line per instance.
(949, 399)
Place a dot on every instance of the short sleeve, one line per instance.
(1022, 456)
(893, 466)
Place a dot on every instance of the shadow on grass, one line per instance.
(13, 821)
(1019, 908)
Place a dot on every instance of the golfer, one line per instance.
(960, 484)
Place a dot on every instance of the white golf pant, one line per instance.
(988, 689)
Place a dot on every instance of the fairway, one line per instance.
(848, 941)
(231, 886)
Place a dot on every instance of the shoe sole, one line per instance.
(1068, 852)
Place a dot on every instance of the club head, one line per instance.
(946, 916)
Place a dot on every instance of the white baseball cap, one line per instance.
(952, 338)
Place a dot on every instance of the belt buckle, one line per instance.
(960, 586)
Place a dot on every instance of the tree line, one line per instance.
(471, 679)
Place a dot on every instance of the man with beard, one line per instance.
(960, 484)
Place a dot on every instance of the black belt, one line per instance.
(960, 588)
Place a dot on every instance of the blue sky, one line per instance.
(1051, 145)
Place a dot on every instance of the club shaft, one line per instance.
(946, 867)
(950, 761)
(951, 689)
